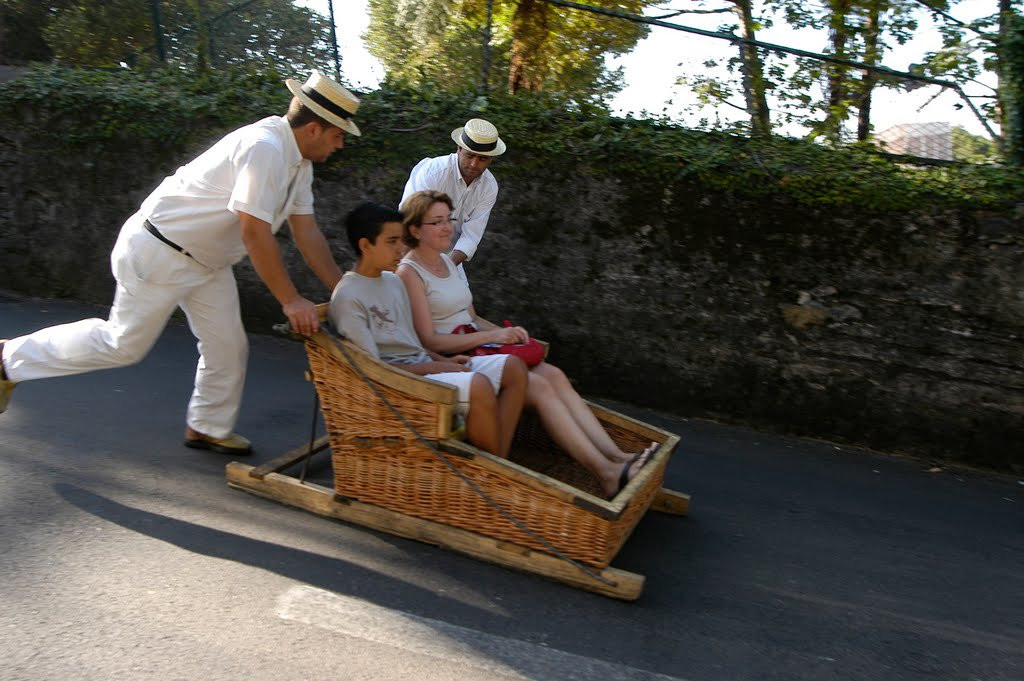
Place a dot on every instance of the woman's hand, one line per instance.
(508, 334)
(460, 359)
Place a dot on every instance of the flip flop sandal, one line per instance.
(624, 477)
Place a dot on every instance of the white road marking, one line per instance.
(487, 652)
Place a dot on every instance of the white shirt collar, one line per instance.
(453, 162)
(293, 156)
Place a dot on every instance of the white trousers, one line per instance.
(152, 280)
(491, 366)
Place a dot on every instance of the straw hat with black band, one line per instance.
(480, 137)
(328, 100)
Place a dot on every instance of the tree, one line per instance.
(1010, 57)
(860, 31)
(872, 56)
(21, 29)
(534, 45)
(196, 33)
(994, 43)
(99, 33)
(754, 88)
(202, 24)
(748, 62)
(971, 148)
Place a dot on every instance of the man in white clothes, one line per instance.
(465, 178)
(178, 249)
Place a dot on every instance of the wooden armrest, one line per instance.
(386, 374)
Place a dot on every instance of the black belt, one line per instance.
(156, 232)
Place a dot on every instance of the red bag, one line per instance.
(531, 352)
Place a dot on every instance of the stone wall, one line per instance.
(900, 332)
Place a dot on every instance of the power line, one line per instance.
(733, 38)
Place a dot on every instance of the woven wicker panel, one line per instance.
(389, 468)
(352, 409)
(409, 478)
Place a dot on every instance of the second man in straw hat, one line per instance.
(464, 176)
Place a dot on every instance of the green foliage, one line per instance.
(99, 33)
(1011, 85)
(534, 45)
(970, 148)
(22, 23)
(859, 30)
(999, 38)
(269, 33)
(70, 107)
(551, 141)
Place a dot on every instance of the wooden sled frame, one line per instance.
(271, 481)
(268, 481)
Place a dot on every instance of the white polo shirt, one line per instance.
(473, 203)
(256, 169)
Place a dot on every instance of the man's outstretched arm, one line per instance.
(266, 260)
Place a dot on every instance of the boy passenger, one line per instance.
(370, 307)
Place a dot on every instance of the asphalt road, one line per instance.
(124, 555)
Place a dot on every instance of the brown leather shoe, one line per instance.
(232, 444)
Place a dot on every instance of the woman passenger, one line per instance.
(441, 301)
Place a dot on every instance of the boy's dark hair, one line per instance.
(365, 222)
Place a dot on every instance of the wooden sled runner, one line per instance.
(538, 511)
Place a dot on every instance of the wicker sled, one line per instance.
(389, 478)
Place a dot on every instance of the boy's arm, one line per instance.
(444, 365)
(457, 359)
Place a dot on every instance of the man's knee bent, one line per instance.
(126, 347)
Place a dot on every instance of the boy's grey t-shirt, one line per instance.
(374, 313)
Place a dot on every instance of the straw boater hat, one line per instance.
(328, 100)
(480, 137)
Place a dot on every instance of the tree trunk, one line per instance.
(158, 31)
(867, 83)
(334, 42)
(529, 31)
(837, 75)
(485, 67)
(1010, 89)
(203, 35)
(752, 69)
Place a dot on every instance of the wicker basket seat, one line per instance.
(379, 460)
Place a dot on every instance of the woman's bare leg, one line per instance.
(482, 419)
(510, 402)
(567, 434)
(580, 412)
